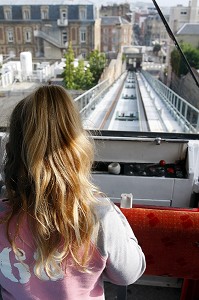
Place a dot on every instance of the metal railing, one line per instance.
(88, 101)
(186, 114)
(48, 38)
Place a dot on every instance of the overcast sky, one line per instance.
(159, 2)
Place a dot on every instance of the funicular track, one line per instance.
(111, 108)
(126, 111)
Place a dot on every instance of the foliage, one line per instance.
(177, 62)
(88, 79)
(69, 70)
(97, 62)
(83, 77)
(156, 49)
(123, 57)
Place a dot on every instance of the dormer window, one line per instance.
(7, 13)
(63, 20)
(44, 13)
(26, 13)
(63, 13)
(82, 13)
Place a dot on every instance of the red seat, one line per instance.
(170, 240)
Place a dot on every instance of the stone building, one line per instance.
(116, 32)
(189, 33)
(179, 15)
(120, 10)
(45, 29)
(154, 31)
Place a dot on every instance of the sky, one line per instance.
(159, 2)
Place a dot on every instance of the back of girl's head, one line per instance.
(47, 170)
(47, 126)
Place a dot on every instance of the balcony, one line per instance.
(62, 22)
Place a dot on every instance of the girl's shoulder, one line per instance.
(104, 207)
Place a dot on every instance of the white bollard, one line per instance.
(126, 201)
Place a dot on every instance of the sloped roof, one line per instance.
(189, 29)
(113, 20)
(54, 11)
(45, 2)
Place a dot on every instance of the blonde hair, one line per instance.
(47, 176)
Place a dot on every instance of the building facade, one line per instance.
(154, 31)
(116, 32)
(189, 33)
(45, 30)
(179, 15)
(117, 10)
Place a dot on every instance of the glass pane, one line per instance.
(144, 83)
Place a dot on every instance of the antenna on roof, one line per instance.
(170, 33)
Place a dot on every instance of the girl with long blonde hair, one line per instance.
(59, 239)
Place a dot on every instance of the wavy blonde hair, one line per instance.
(47, 175)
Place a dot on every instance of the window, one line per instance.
(10, 36)
(26, 14)
(44, 14)
(82, 35)
(84, 54)
(64, 37)
(183, 13)
(105, 48)
(105, 39)
(27, 36)
(11, 52)
(64, 14)
(82, 13)
(8, 14)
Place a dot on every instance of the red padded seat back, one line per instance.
(169, 238)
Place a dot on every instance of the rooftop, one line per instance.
(113, 20)
(189, 29)
(46, 2)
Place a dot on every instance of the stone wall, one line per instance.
(114, 70)
(186, 88)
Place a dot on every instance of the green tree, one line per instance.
(79, 75)
(177, 62)
(69, 70)
(88, 79)
(97, 62)
(156, 49)
(83, 77)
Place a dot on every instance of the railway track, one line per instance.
(123, 107)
